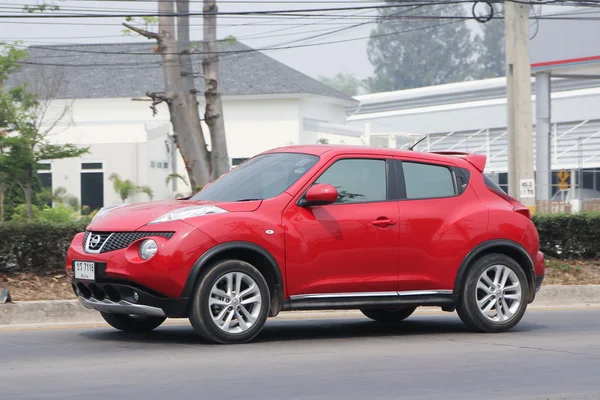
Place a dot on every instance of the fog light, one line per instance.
(148, 249)
(136, 296)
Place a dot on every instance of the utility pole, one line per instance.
(521, 183)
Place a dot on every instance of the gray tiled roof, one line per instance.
(132, 69)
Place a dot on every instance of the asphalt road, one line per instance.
(553, 354)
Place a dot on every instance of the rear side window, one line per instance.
(427, 181)
(357, 180)
(489, 182)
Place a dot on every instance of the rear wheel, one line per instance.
(231, 303)
(132, 323)
(388, 314)
(495, 295)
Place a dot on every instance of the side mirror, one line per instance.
(320, 195)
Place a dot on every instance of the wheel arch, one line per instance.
(251, 253)
(497, 246)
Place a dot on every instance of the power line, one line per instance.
(158, 64)
(283, 12)
(330, 32)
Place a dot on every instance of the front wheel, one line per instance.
(132, 323)
(495, 295)
(388, 314)
(231, 303)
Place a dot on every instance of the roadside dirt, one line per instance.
(56, 286)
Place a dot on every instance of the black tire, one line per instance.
(201, 313)
(467, 307)
(388, 315)
(132, 323)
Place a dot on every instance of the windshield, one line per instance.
(259, 178)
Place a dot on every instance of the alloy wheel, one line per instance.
(235, 302)
(498, 293)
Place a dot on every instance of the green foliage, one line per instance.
(126, 188)
(170, 178)
(569, 236)
(145, 23)
(344, 82)
(323, 141)
(40, 8)
(36, 246)
(414, 53)
(22, 144)
(230, 40)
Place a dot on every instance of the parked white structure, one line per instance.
(266, 105)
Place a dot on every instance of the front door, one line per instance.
(351, 246)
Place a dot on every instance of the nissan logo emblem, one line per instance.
(95, 241)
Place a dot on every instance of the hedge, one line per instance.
(42, 246)
(569, 236)
(35, 246)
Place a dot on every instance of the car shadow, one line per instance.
(279, 330)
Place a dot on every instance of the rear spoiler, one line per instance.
(477, 160)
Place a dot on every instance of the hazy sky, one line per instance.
(259, 33)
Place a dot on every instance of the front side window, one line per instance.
(259, 178)
(357, 180)
(427, 181)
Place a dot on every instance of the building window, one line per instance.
(166, 165)
(427, 181)
(91, 165)
(237, 161)
(152, 164)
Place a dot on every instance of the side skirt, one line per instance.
(349, 302)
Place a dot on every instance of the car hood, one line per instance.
(135, 216)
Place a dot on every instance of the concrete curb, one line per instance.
(71, 311)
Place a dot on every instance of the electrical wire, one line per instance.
(158, 64)
(282, 12)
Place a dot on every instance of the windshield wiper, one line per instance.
(249, 200)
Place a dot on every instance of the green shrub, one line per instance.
(569, 236)
(36, 246)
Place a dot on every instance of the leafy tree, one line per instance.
(125, 188)
(410, 53)
(492, 49)
(344, 82)
(23, 141)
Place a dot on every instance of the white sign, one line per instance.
(527, 188)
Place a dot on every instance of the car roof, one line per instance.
(320, 149)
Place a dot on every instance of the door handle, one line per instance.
(384, 222)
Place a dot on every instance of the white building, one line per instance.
(266, 104)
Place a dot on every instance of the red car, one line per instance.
(313, 228)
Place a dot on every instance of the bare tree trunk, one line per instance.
(187, 74)
(193, 155)
(214, 107)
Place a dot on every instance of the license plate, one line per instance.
(84, 270)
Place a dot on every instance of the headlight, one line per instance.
(148, 249)
(188, 212)
(104, 210)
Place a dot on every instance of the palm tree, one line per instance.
(126, 188)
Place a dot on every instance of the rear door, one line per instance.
(440, 220)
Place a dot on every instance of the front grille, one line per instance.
(111, 241)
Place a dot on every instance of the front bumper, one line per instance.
(121, 298)
(164, 275)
